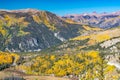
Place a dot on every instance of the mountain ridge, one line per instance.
(102, 20)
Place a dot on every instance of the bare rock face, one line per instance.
(110, 43)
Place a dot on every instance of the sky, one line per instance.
(63, 7)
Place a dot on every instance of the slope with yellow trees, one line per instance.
(85, 65)
(7, 59)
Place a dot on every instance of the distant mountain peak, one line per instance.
(84, 14)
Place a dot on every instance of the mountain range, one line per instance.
(102, 20)
(30, 30)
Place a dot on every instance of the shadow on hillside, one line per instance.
(13, 78)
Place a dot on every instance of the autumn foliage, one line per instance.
(7, 59)
(85, 65)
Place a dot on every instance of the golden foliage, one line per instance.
(88, 28)
(80, 38)
(10, 21)
(21, 22)
(3, 31)
(47, 22)
(44, 18)
(94, 38)
(70, 21)
(7, 58)
(97, 37)
(86, 65)
(36, 18)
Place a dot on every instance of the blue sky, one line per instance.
(63, 7)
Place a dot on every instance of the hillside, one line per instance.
(102, 40)
(107, 42)
(33, 30)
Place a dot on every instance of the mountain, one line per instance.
(33, 30)
(102, 20)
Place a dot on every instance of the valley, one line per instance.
(40, 45)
